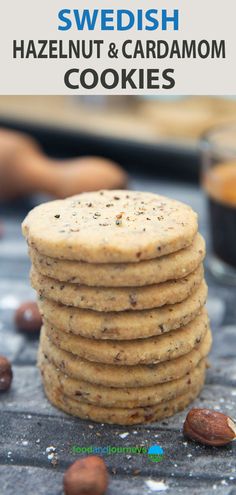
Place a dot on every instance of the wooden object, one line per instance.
(25, 169)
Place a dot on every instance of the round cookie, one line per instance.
(128, 398)
(121, 416)
(175, 265)
(110, 227)
(110, 375)
(144, 351)
(117, 299)
(125, 325)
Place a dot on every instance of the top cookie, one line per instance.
(110, 227)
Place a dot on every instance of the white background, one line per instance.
(199, 19)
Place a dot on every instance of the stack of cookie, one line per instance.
(121, 289)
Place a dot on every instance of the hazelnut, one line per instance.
(28, 318)
(209, 427)
(5, 374)
(86, 477)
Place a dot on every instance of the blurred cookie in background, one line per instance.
(187, 117)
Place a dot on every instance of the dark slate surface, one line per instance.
(29, 424)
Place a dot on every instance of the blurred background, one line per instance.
(155, 142)
(57, 146)
(152, 144)
(146, 135)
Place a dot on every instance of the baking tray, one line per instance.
(158, 160)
